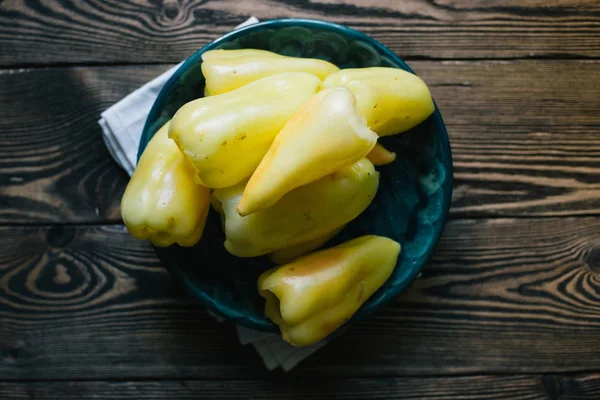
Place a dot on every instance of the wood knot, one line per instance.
(171, 12)
(552, 386)
(171, 9)
(60, 236)
(592, 259)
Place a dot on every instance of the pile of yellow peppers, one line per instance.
(285, 150)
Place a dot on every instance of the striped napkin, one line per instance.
(122, 126)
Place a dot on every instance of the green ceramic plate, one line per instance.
(411, 205)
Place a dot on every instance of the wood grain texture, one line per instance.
(513, 387)
(499, 296)
(137, 31)
(526, 144)
(525, 135)
(577, 387)
(54, 166)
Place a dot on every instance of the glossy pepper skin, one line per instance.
(325, 135)
(381, 156)
(314, 295)
(226, 136)
(289, 254)
(162, 201)
(392, 100)
(304, 214)
(227, 70)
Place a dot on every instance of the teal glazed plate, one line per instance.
(411, 205)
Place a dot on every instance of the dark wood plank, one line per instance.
(523, 93)
(136, 31)
(524, 135)
(513, 387)
(54, 166)
(85, 301)
(550, 170)
(499, 296)
(525, 144)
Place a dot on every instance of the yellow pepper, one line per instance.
(381, 156)
(392, 100)
(227, 70)
(315, 294)
(324, 136)
(304, 214)
(225, 136)
(288, 254)
(162, 202)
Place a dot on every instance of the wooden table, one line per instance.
(509, 307)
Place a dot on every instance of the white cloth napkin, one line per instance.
(122, 126)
